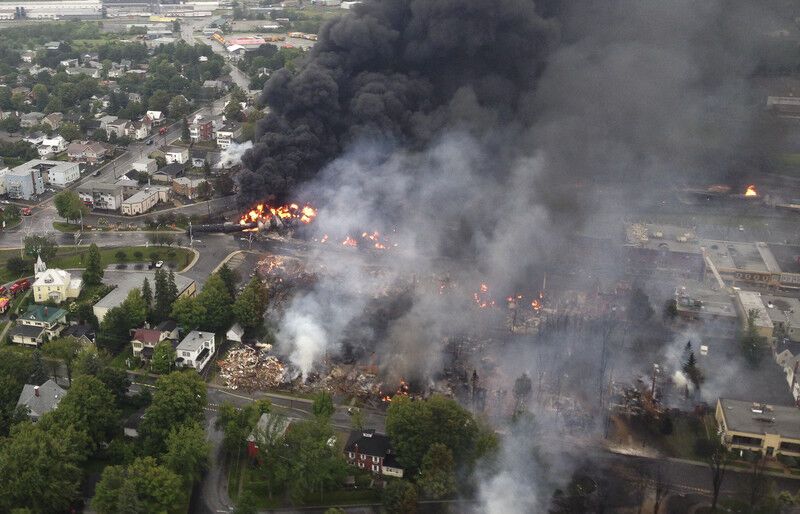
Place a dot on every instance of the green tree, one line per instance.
(115, 328)
(189, 313)
(40, 469)
(38, 374)
(15, 369)
(40, 245)
(18, 266)
(751, 342)
(413, 426)
(70, 131)
(250, 306)
(116, 380)
(163, 360)
(639, 308)
(237, 423)
(64, 349)
(230, 278)
(178, 398)
(89, 406)
(93, 274)
(159, 100)
(69, 205)
(316, 465)
(437, 475)
(692, 371)
(178, 107)
(216, 302)
(400, 497)
(144, 486)
(185, 134)
(147, 293)
(323, 405)
(522, 387)
(671, 309)
(233, 111)
(187, 451)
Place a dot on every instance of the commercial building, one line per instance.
(51, 9)
(771, 430)
(24, 182)
(145, 200)
(696, 301)
(750, 301)
(248, 43)
(60, 173)
(128, 281)
(763, 264)
(787, 356)
(196, 350)
(784, 314)
(663, 249)
(34, 174)
(101, 196)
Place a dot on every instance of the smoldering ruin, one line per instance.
(471, 164)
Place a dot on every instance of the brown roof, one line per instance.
(147, 335)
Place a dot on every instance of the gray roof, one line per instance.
(49, 395)
(270, 422)
(194, 341)
(774, 419)
(133, 280)
(26, 331)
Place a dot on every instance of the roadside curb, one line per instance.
(226, 260)
(194, 261)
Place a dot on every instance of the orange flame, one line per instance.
(349, 241)
(263, 213)
(751, 190)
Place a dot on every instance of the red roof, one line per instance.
(147, 335)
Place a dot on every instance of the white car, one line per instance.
(159, 264)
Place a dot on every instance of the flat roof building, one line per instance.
(133, 280)
(752, 301)
(752, 426)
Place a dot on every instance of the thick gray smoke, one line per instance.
(476, 134)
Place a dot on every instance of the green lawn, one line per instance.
(119, 360)
(74, 257)
(65, 227)
(680, 443)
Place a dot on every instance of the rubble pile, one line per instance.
(283, 275)
(246, 368)
(352, 381)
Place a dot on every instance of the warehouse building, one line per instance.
(126, 282)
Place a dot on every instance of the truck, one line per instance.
(20, 286)
(26, 211)
(5, 303)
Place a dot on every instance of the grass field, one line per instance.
(72, 257)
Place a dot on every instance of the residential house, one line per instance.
(105, 120)
(53, 120)
(157, 117)
(201, 130)
(30, 119)
(54, 285)
(21, 90)
(228, 134)
(168, 173)
(51, 146)
(89, 72)
(134, 97)
(39, 400)
(235, 333)
(145, 200)
(24, 182)
(144, 341)
(4, 171)
(146, 165)
(770, 430)
(101, 196)
(787, 355)
(38, 322)
(119, 127)
(35, 70)
(85, 334)
(176, 154)
(133, 280)
(270, 423)
(195, 350)
(69, 63)
(372, 451)
(188, 187)
(169, 328)
(27, 56)
(200, 157)
(214, 85)
(52, 45)
(35, 138)
(90, 152)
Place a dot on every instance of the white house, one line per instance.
(235, 333)
(176, 154)
(157, 117)
(195, 350)
(51, 146)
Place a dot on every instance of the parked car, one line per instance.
(26, 211)
(159, 264)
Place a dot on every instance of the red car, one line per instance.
(26, 211)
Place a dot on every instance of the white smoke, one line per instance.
(233, 154)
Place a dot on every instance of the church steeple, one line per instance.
(39, 267)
